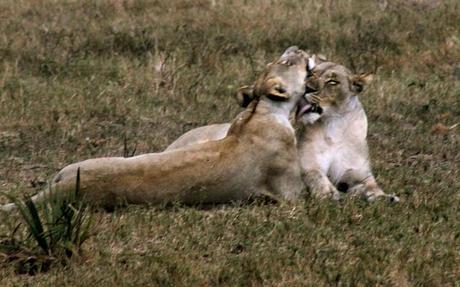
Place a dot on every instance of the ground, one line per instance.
(83, 79)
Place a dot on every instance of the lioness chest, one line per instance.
(337, 146)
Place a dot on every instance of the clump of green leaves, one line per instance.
(54, 231)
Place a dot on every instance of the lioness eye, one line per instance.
(332, 82)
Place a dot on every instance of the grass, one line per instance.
(108, 78)
(55, 231)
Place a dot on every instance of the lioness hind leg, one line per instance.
(319, 184)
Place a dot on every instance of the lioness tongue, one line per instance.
(302, 107)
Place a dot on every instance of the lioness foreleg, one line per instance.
(319, 184)
(366, 187)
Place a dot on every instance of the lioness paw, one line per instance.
(387, 197)
(372, 194)
(326, 191)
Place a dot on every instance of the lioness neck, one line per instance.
(280, 110)
(266, 112)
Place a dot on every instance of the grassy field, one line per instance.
(83, 79)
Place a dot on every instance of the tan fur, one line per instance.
(258, 156)
(333, 145)
(200, 135)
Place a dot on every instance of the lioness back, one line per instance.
(200, 135)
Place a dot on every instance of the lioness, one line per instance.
(332, 146)
(332, 134)
(258, 156)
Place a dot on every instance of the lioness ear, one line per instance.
(245, 95)
(275, 90)
(359, 82)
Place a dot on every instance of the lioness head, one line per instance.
(283, 79)
(330, 87)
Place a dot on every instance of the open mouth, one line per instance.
(304, 107)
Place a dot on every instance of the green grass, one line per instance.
(82, 79)
(54, 231)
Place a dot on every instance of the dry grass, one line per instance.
(79, 78)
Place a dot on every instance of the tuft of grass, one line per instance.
(55, 231)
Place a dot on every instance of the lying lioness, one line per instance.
(332, 134)
(258, 156)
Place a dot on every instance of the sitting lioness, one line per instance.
(332, 145)
(332, 134)
(257, 157)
